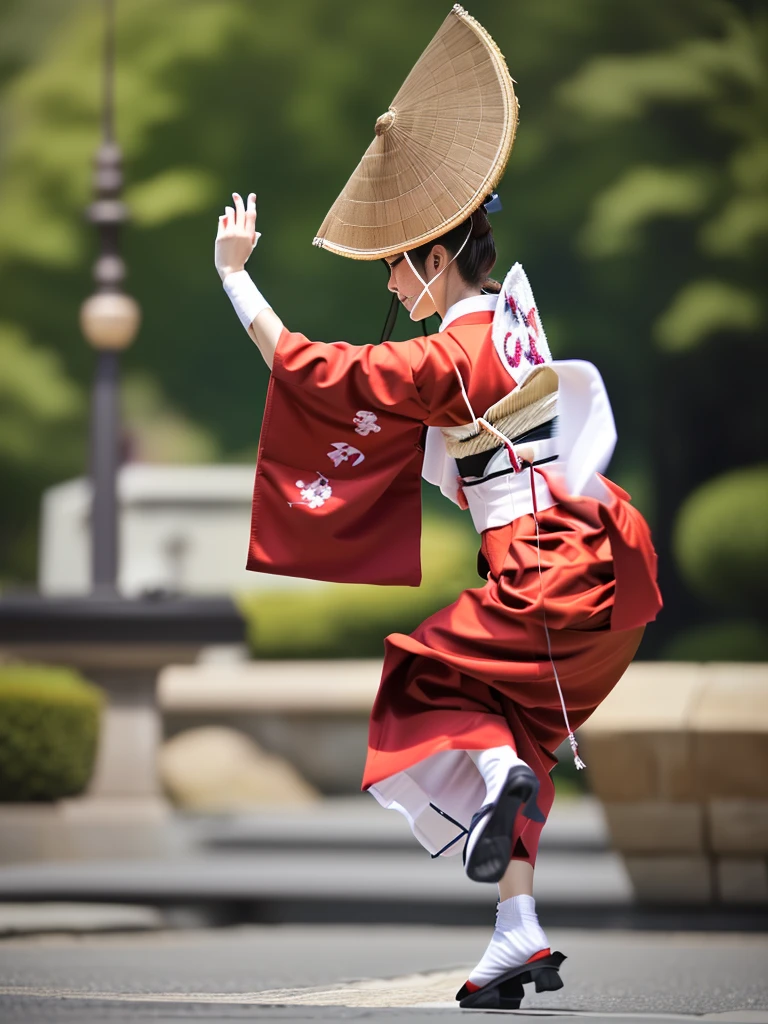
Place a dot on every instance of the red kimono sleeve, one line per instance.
(337, 494)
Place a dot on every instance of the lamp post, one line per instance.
(109, 319)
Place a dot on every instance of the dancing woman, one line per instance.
(473, 704)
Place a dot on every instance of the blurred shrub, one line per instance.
(721, 540)
(49, 727)
(720, 641)
(338, 620)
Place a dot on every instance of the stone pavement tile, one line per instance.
(26, 918)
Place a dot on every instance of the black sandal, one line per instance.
(492, 852)
(506, 992)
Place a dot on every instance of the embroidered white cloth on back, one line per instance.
(586, 430)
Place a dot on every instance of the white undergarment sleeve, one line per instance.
(448, 780)
(245, 297)
(516, 938)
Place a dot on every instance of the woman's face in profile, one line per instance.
(407, 286)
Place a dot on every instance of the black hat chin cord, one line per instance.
(389, 323)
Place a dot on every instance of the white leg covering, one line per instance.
(516, 938)
(494, 765)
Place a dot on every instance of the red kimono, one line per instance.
(337, 497)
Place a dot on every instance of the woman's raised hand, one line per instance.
(237, 235)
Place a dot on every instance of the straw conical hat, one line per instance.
(438, 152)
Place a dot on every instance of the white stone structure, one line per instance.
(182, 528)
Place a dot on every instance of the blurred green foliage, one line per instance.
(636, 197)
(335, 620)
(721, 540)
(719, 641)
(49, 728)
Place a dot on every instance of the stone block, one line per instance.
(656, 827)
(670, 879)
(128, 828)
(86, 828)
(738, 826)
(637, 744)
(730, 733)
(313, 713)
(287, 687)
(32, 831)
(214, 769)
(650, 697)
(742, 880)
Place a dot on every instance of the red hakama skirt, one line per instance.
(478, 674)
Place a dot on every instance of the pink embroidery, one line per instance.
(341, 452)
(514, 361)
(366, 423)
(517, 330)
(314, 494)
(533, 355)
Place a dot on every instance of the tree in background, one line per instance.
(677, 239)
(635, 198)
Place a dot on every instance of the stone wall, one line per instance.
(678, 754)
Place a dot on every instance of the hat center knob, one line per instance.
(385, 122)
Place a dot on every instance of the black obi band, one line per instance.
(475, 465)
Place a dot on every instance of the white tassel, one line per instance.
(575, 748)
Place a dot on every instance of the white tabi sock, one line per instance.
(494, 765)
(517, 937)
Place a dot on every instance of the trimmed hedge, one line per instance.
(721, 540)
(338, 620)
(719, 641)
(49, 728)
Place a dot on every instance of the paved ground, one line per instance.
(346, 861)
(303, 973)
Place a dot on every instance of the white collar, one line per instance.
(474, 304)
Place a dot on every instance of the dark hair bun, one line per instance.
(481, 226)
(475, 254)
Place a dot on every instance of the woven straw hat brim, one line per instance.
(439, 150)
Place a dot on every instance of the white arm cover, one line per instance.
(245, 297)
